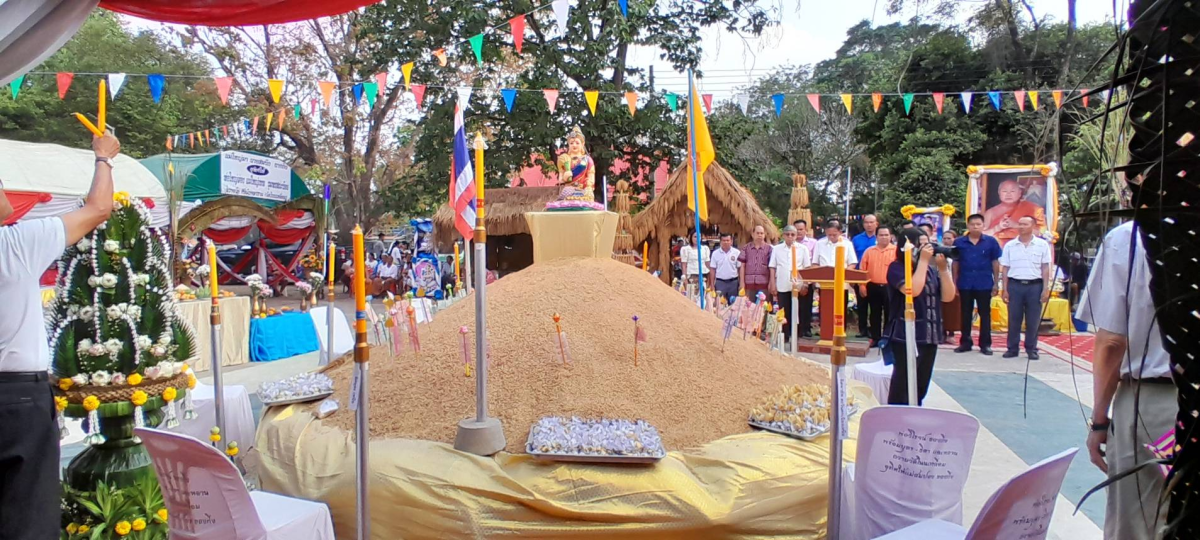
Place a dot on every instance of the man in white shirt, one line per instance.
(1117, 302)
(1025, 273)
(826, 250)
(784, 257)
(724, 262)
(690, 257)
(29, 452)
(386, 277)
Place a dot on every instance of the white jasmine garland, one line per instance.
(101, 378)
(84, 244)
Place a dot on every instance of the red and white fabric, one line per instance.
(207, 497)
(912, 466)
(1021, 508)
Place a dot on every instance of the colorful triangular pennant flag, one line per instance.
(170, 143)
(815, 101)
(115, 81)
(406, 69)
(276, 88)
(281, 117)
(876, 100)
(267, 124)
(254, 128)
(848, 102)
(312, 108)
(908, 99)
(518, 31)
(225, 131)
(326, 91)
(63, 78)
(631, 99)
(939, 98)
(1085, 91)
(1057, 95)
(358, 93)
(381, 84)
(707, 103)
(672, 101)
(464, 97)
(1020, 95)
(1033, 96)
(418, 91)
(477, 47)
(157, 83)
(995, 97)
(592, 96)
(371, 90)
(966, 100)
(778, 100)
(223, 85)
(296, 112)
(562, 9)
(440, 54)
(551, 96)
(15, 85)
(743, 102)
(191, 140)
(509, 95)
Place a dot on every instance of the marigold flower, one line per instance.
(122, 528)
(134, 379)
(91, 403)
(139, 524)
(161, 515)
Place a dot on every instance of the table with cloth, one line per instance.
(235, 331)
(1058, 310)
(876, 375)
(571, 234)
(282, 336)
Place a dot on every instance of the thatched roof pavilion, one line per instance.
(510, 247)
(731, 208)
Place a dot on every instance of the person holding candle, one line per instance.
(29, 445)
(932, 284)
(786, 261)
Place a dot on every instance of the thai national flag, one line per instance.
(462, 184)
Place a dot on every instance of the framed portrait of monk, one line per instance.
(1004, 194)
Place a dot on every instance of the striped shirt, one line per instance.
(755, 260)
(875, 263)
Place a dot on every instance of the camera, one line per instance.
(950, 252)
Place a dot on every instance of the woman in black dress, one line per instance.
(932, 284)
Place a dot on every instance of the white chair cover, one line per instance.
(877, 375)
(1021, 508)
(343, 338)
(207, 498)
(912, 466)
(239, 416)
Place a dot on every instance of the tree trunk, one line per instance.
(1014, 37)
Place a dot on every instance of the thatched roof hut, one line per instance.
(510, 247)
(731, 208)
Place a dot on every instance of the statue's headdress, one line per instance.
(576, 134)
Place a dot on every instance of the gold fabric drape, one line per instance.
(571, 234)
(235, 331)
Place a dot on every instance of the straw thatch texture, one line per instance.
(731, 208)
(799, 208)
(505, 209)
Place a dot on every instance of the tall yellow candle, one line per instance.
(360, 281)
(101, 113)
(330, 261)
(908, 274)
(839, 287)
(457, 274)
(645, 256)
(795, 273)
(212, 271)
(479, 207)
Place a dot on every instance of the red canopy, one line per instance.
(233, 12)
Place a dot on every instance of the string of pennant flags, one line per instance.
(375, 88)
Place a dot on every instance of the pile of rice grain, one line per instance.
(683, 384)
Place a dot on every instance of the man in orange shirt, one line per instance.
(875, 261)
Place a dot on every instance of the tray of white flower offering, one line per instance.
(296, 389)
(605, 440)
(800, 412)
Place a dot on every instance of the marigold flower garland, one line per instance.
(91, 404)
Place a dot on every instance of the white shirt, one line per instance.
(781, 261)
(1025, 262)
(1105, 304)
(26, 250)
(396, 253)
(389, 271)
(687, 255)
(725, 263)
(827, 252)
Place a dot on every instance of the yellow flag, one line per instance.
(1033, 98)
(406, 69)
(705, 155)
(270, 116)
(848, 101)
(591, 96)
(276, 87)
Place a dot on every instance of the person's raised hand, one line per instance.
(926, 253)
(941, 262)
(107, 146)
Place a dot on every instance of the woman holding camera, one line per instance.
(932, 284)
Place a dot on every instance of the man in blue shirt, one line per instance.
(862, 242)
(975, 275)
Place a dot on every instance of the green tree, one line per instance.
(592, 55)
(102, 45)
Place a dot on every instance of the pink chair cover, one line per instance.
(912, 466)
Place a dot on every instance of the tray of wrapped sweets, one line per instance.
(594, 441)
(800, 412)
(296, 389)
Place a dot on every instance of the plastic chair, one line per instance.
(912, 466)
(207, 498)
(343, 338)
(1021, 508)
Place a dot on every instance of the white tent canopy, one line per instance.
(66, 175)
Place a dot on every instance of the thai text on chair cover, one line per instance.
(1023, 506)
